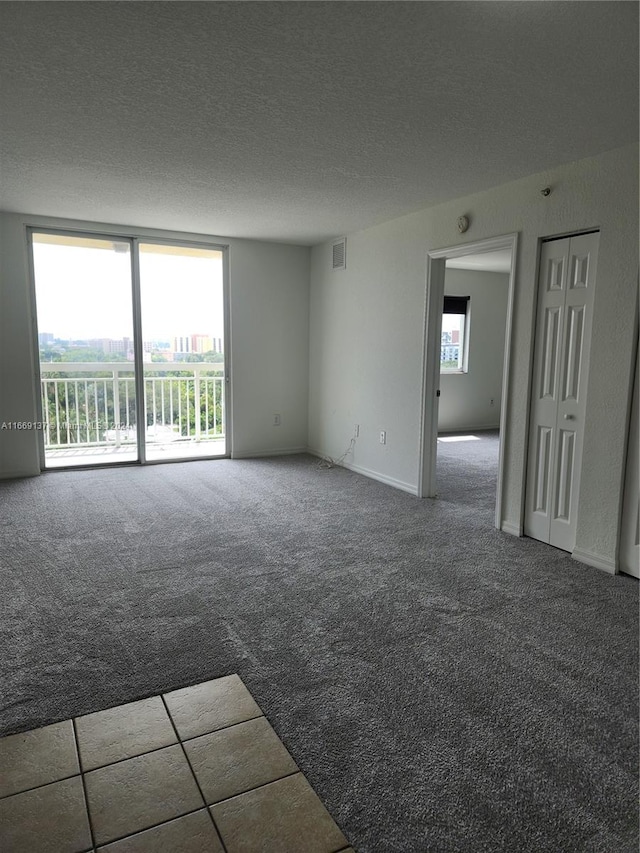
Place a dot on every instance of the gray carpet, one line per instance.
(444, 686)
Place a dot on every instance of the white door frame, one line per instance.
(436, 261)
(628, 535)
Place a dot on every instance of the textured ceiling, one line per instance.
(301, 121)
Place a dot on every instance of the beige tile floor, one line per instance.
(198, 770)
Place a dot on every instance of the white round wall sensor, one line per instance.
(463, 224)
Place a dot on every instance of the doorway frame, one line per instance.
(133, 236)
(436, 264)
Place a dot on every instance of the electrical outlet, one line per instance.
(356, 430)
(491, 402)
(383, 436)
(276, 420)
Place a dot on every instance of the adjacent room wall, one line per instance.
(367, 330)
(465, 398)
(269, 308)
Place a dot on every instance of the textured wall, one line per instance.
(269, 296)
(366, 331)
(465, 397)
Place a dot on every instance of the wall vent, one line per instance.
(339, 259)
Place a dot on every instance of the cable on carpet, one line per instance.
(327, 462)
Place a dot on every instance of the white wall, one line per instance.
(465, 398)
(366, 332)
(269, 307)
(18, 449)
(269, 285)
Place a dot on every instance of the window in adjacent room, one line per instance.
(455, 334)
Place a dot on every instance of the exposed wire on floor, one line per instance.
(326, 462)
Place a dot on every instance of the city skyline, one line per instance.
(47, 337)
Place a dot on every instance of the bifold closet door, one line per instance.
(558, 405)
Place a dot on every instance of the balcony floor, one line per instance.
(155, 452)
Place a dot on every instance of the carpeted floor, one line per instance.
(444, 686)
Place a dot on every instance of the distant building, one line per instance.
(196, 343)
(45, 338)
(182, 344)
(450, 352)
(109, 346)
(124, 346)
(201, 343)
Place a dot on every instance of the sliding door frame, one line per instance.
(133, 237)
(116, 236)
(185, 243)
(138, 351)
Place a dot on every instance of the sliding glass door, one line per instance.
(85, 344)
(131, 349)
(182, 309)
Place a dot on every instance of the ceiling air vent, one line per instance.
(339, 260)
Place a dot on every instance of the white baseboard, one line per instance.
(256, 454)
(372, 475)
(383, 478)
(513, 529)
(595, 560)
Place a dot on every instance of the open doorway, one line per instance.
(476, 289)
(466, 349)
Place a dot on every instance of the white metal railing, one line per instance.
(94, 403)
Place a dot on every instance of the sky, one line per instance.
(450, 322)
(85, 292)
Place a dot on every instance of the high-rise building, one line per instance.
(201, 343)
(182, 343)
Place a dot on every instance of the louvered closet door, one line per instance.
(558, 405)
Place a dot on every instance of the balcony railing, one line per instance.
(93, 404)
